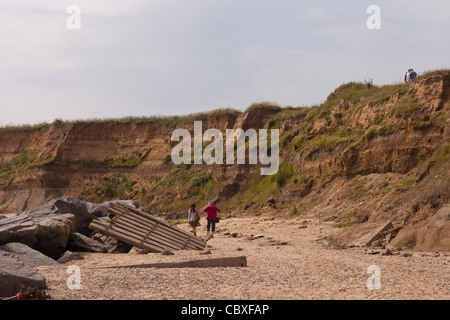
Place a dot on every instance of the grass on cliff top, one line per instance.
(429, 73)
(357, 93)
(337, 127)
(167, 121)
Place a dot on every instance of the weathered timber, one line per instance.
(161, 222)
(162, 226)
(143, 230)
(154, 228)
(229, 262)
(123, 237)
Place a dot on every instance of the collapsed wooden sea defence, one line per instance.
(138, 228)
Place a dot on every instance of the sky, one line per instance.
(176, 57)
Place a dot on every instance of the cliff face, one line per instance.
(368, 153)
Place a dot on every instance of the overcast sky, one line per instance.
(167, 57)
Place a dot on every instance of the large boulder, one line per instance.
(50, 227)
(83, 211)
(20, 228)
(14, 275)
(55, 231)
(78, 208)
(28, 256)
(48, 234)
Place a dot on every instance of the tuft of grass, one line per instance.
(375, 131)
(264, 105)
(298, 141)
(165, 121)
(109, 188)
(406, 182)
(123, 160)
(351, 92)
(19, 165)
(329, 140)
(406, 105)
(429, 73)
(284, 174)
(201, 179)
(343, 224)
(293, 212)
(382, 95)
(301, 208)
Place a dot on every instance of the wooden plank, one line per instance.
(129, 228)
(132, 235)
(153, 231)
(153, 235)
(138, 228)
(148, 216)
(173, 231)
(228, 262)
(157, 230)
(131, 238)
(127, 238)
(141, 238)
(164, 227)
(124, 238)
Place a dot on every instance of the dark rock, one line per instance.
(112, 244)
(79, 209)
(49, 227)
(176, 215)
(48, 233)
(14, 275)
(29, 256)
(119, 247)
(80, 242)
(20, 228)
(42, 211)
(144, 210)
(54, 232)
(65, 205)
(69, 256)
(96, 209)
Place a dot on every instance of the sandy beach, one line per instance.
(288, 259)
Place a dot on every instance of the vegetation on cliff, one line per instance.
(365, 153)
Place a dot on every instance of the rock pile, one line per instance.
(49, 235)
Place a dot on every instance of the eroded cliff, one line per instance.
(367, 153)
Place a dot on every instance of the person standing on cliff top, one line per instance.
(407, 76)
(412, 75)
(211, 216)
